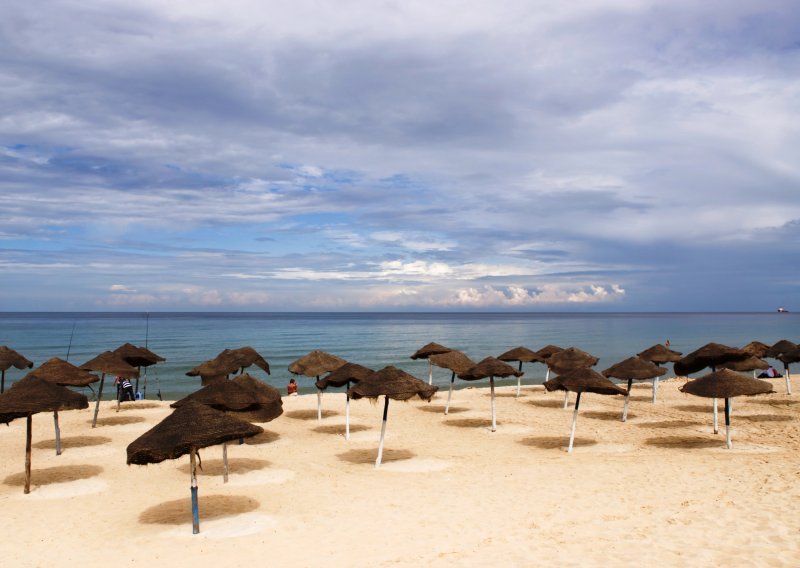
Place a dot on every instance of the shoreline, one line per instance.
(449, 491)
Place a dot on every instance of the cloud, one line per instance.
(514, 152)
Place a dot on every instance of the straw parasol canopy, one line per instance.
(391, 383)
(185, 431)
(347, 373)
(490, 367)
(10, 358)
(782, 346)
(426, 351)
(429, 349)
(523, 355)
(457, 362)
(343, 377)
(750, 364)
(582, 380)
(265, 411)
(659, 354)
(138, 356)
(756, 349)
(228, 361)
(709, 355)
(781, 351)
(244, 399)
(32, 395)
(570, 359)
(548, 350)
(726, 384)
(64, 373)
(226, 395)
(633, 369)
(313, 365)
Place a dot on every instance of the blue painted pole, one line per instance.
(195, 508)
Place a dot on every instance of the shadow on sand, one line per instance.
(471, 422)
(310, 414)
(179, 512)
(554, 442)
(117, 420)
(338, 429)
(686, 442)
(59, 474)
(364, 456)
(73, 442)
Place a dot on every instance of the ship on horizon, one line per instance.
(783, 310)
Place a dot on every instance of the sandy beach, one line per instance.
(659, 490)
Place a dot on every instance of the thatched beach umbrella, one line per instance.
(313, 365)
(523, 355)
(633, 369)
(756, 349)
(776, 351)
(457, 362)
(108, 363)
(390, 382)
(30, 396)
(10, 358)
(787, 358)
(659, 354)
(570, 359)
(228, 361)
(234, 397)
(65, 374)
(490, 367)
(426, 351)
(139, 357)
(750, 364)
(726, 384)
(545, 353)
(710, 355)
(342, 377)
(264, 411)
(580, 381)
(185, 431)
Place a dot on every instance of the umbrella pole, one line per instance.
(58, 433)
(728, 423)
(787, 376)
(449, 393)
(716, 420)
(99, 396)
(347, 412)
(3, 382)
(574, 421)
(135, 390)
(430, 372)
(28, 455)
(319, 404)
(627, 398)
(655, 389)
(547, 375)
(144, 386)
(195, 509)
(566, 399)
(494, 420)
(383, 431)
(519, 379)
(225, 462)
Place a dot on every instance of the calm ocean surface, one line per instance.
(371, 339)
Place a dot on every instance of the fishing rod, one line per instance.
(69, 348)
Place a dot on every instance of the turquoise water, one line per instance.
(373, 340)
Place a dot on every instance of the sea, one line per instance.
(374, 340)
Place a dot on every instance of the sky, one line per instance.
(370, 155)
